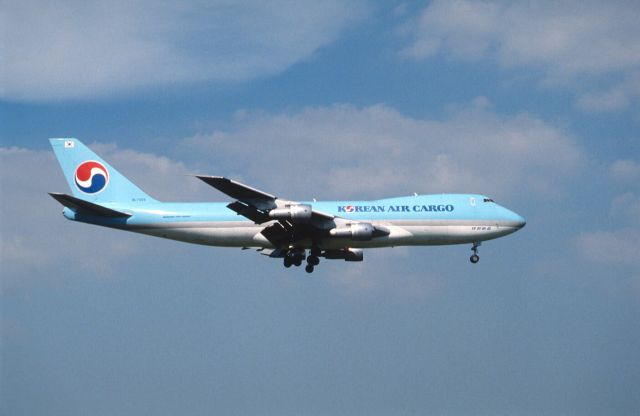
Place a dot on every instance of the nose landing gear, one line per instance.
(474, 257)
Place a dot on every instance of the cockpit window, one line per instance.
(488, 200)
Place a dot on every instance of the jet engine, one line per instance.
(362, 231)
(298, 212)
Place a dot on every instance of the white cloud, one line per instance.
(342, 151)
(34, 237)
(62, 50)
(159, 176)
(617, 247)
(627, 206)
(567, 41)
(465, 29)
(567, 38)
(625, 170)
(383, 272)
(617, 97)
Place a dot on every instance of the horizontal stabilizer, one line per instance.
(87, 207)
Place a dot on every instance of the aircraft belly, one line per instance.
(224, 235)
(406, 235)
(460, 234)
(214, 236)
(423, 234)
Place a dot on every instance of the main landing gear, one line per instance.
(295, 258)
(313, 259)
(474, 257)
(291, 260)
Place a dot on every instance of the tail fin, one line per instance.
(91, 178)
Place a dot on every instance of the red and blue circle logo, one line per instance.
(91, 177)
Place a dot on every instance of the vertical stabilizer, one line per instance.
(91, 178)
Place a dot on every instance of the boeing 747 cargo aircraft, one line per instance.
(277, 227)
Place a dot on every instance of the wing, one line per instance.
(243, 193)
(294, 222)
(256, 205)
(291, 221)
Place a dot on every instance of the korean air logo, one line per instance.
(91, 177)
(349, 208)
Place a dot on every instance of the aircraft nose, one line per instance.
(515, 220)
(520, 222)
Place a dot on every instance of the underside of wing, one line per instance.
(249, 211)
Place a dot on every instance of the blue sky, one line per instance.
(535, 103)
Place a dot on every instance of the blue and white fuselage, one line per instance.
(282, 228)
(409, 219)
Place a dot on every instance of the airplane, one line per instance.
(277, 227)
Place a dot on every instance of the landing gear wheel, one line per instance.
(287, 262)
(297, 262)
(313, 260)
(308, 268)
(474, 257)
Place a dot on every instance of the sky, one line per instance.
(535, 103)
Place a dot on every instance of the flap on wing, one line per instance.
(278, 234)
(321, 216)
(86, 206)
(249, 211)
(243, 193)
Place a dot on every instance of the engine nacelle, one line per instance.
(361, 231)
(353, 254)
(348, 254)
(298, 212)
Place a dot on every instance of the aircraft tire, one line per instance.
(287, 262)
(474, 258)
(308, 268)
(313, 260)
